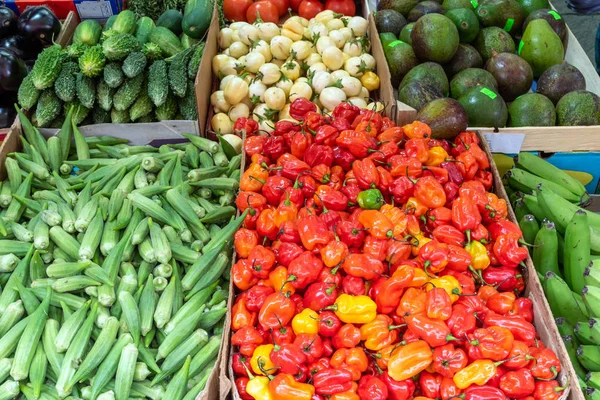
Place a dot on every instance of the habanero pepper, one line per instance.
(430, 192)
(418, 130)
(254, 145)
(410, 360)
(329, 324)
(286, 252)
(391, 289)
(363, 266)
(353, 285)
(345, 110)
(313, 232)
(248, 339)
(523, 307)
(370, 199)
(276, 311)
(379, 333)
(274, 147)
(448, 360)
(300, 107)
(430, 384)
(319, 295)
(366, 173)
(242, 274)
(467, 165)
(307, 321)
(262, 260)
(241, 317)
(332, 381)
(548, 390)
(521, 329)
(288, 358)
(261, 360)
(434, 256)
(462, 321)
(283, 334)
(285, 387)
(449, 235)
(517, 384)
(465, 215)
(434, 331)
(545, 364)
(256, 202)
(253, 178)
(439, 304)
(476, 373)
(354, 309)
(448, 389)
(244, 241)
(501, 302)
(305, 269)
(519, 356)
(332, 199)
(274, 187)
(240, 364)
(402, 165)
(353, 358)
(311, 345)
(508, 252)
(348, 336)
(484, 392)
(480, 259)
(398, 390)
(371, 387)
(459, 259)
(265, 225)
(493, 342)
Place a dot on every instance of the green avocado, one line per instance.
(452, 4)
(541, 47)
(485, 107)
(428, 73)
(505, 14)
(424, 8)
(401, 59)
(513, 74)
(554, 19)
(469, 78)
(416, 94)
(434, 38)
(446, 118)
(405, 33)
(465, 57)
(466, 22)
(389, 21)
(559, 80)
(401, 6)
(578, 108)
(530, 6)
(531, 109)
(493, 40)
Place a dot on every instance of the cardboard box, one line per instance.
(86, 9)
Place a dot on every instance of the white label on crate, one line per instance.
(94, 10)
(504, 142)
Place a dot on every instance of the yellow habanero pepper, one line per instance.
(306, 322)
(410, 360)
(261, 358)
(478, 373)
(417, 242)
(447, 282)
(437, 155)
(258, 387)
(370, 81)
(479, 256)
(355, 309)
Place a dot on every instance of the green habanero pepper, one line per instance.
(370, 199)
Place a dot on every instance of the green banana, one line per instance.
(529, 227)
(588, 332)
(591, 275)
(561, 299)
(564, 327)
(531, 202)
(593, 379)
(577, 250)
(591, 298)
(520, 209)
(544, 169)
(572, 346)
(545, 249)
(526, 181)
(589, 357)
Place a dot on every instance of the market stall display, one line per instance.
(130, 70)
(22, 38)
(114, 265)
(472, 64)
(564, 240)
(372, 266)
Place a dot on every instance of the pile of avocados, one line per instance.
(473, 62)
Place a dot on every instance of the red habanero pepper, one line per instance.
(495, 209)
(472, 304)
(274, 188)
(319, 295)
(504, 278)
(371, 387)
(521, 329)
(465, 215)
(313, 232)
(485, 392)
(402, 189)
(377, 223)
(439, 304)
(493, 342)
(239, 363)
(433, 331)
(286, 126)
(263, 260)
(388, 149)
(288, 232)
(284, 334)
(368, 115)
(475, 191)
(439, 216)
(311, 345)
(305, 268)
(412, 302)
(385, 180)
(449, 235)
(417, 129)
(353, 285)
(448, 360)
(353, 359)
(318, 154)
(434, 256)
(240, 384)
(241, 317)
(308, 185)
(346, 110)
(402, 165)
(451, 190)
(329, 323)
(363, 266)
(291, 167)
(330, 276)
(391, 289)
(467, 165)
(348, 336)
(357, 143)
(244, 241)
(377, 248)
(366, 173)
(256, 202)
(430, 192)
(288, 358)
(256, 296)
(318, 365)
(332, 199)
(351, 190)
(481, 234)
(343, 158)
(430, 384)
(548, 390)
(247, 339)
(254, 145)
(480, 156)
(398, 390)
(504, 227)
(501, 302)
(276, 311)
(523, 307)
(286, 252)
(398, 252)
(454, 175)
(368, 128)
(393, 134)
(300, 142)
(449, 390)
(274, 147)
(242, 274)
(300, 107)
(545, 364)
(340, 124)
(518, 357)
(517, 384)
(265, 225)
(458, 258)
(508, 252)
(418, 149)
(379, 333)
(462, 321)
(332, 381)
(353, 234)
(313, 120)
(486, 178)
(246, 126)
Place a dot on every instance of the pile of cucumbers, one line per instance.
(565, 248)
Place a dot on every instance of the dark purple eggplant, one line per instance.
(8, 22)
(8, 99)
(39, 23)
(22, 47)
(7, 116)
(12, 71)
